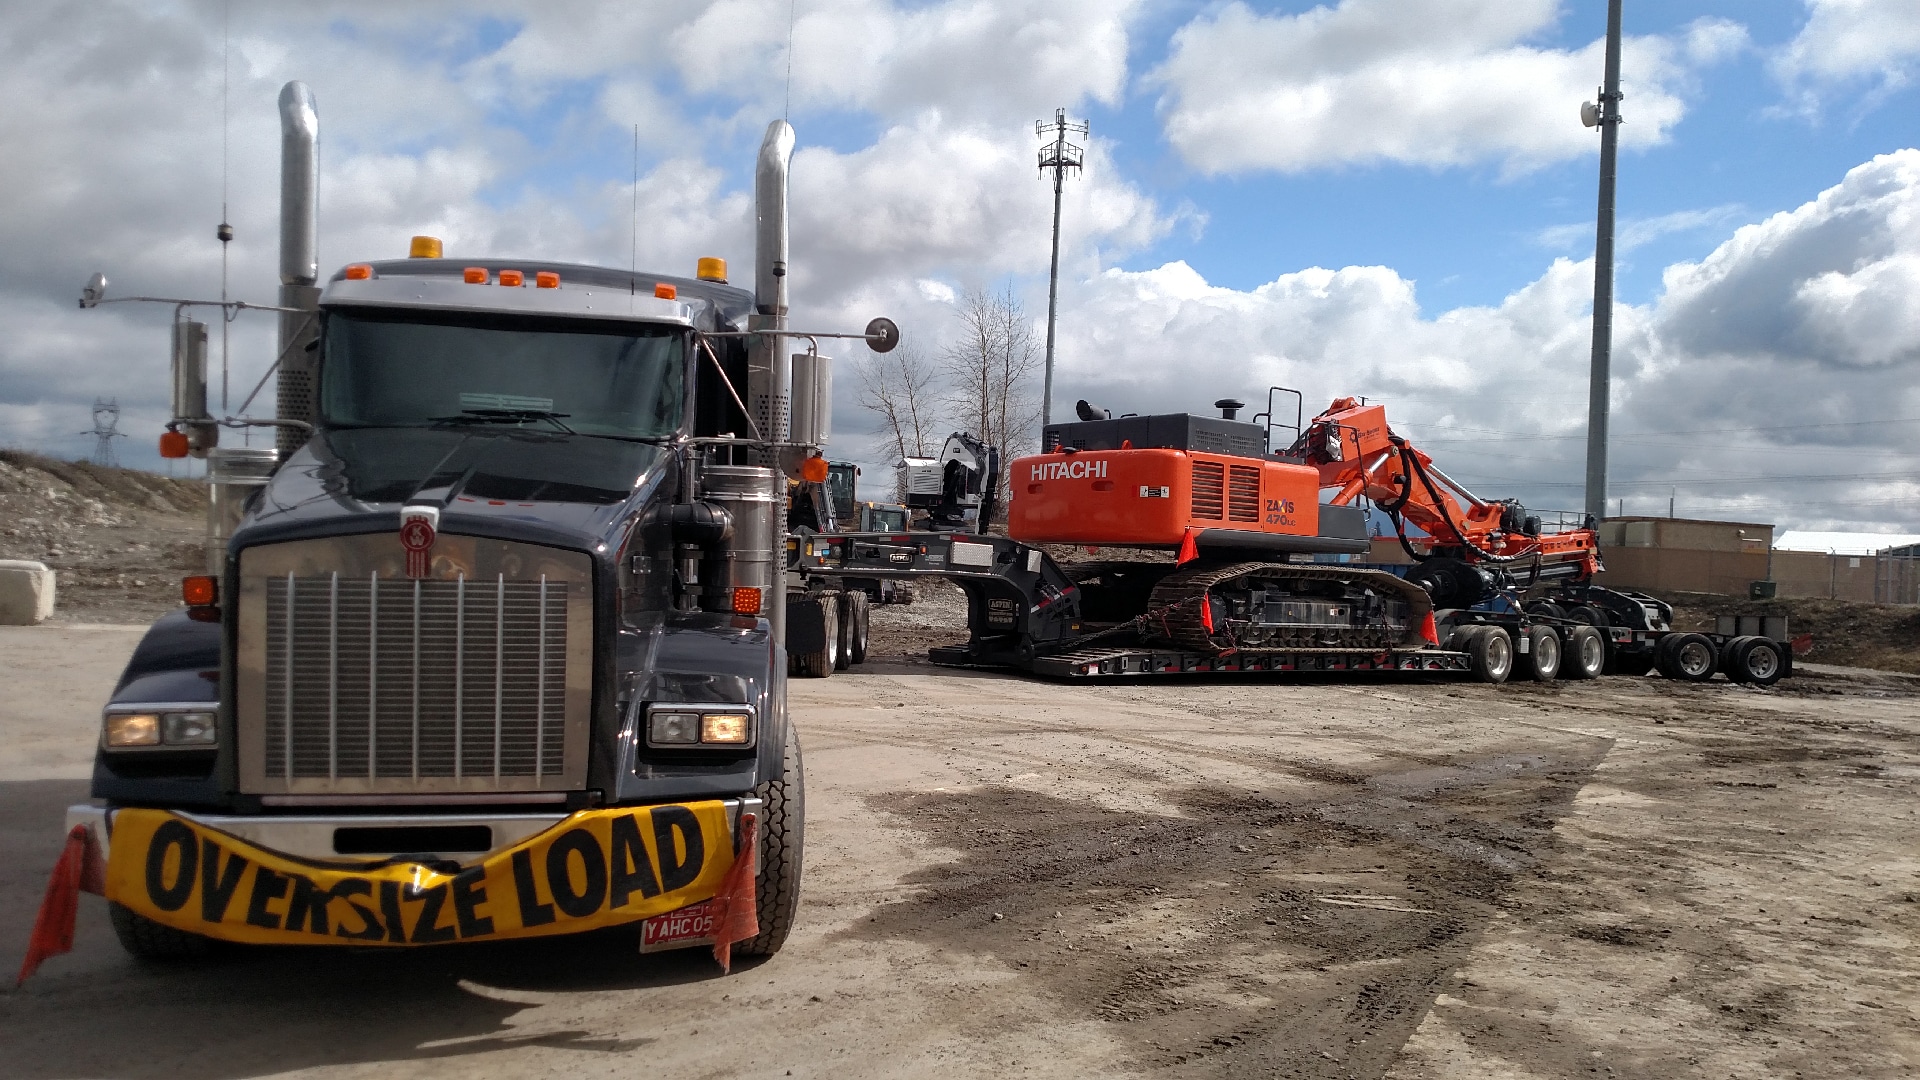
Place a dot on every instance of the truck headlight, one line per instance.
(673, 728)
(133, 729)
(671, 724)
(187, 729)
(723, 728)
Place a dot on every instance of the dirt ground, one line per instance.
(1364, 878)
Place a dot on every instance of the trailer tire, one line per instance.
(1546, 609)
(148, 940)
(843, 633)
(1687, 657)
(820, 663)
(776, 883)
(1542, 658)
(862, 608)
(1490, 654)
(1753, 660)
(1585, 656)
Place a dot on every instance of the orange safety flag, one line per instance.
(736, 917)
(80, 869)
(1206, 612)
(1189, 550)
(1428, 631)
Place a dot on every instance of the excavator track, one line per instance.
(1282, 607)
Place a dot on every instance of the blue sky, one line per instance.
(1382, 197)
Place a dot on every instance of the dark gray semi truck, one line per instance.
(493, 644)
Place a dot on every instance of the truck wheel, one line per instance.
(1546, 609)
(1542, 659)
(820, 663)
(1588, 614)
(843, 657)
(1753, 660)
(1490, 655)
(862, 609)
(149, 940)
(776, 886)
(1687, 657)
(1585, 656)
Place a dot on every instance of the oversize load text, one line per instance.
(596, 868)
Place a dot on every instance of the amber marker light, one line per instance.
(359, 272)
(814, 470)
(512, 279)
(746, 600)
(475, 275)
(711, 269)
(424, 247)
(723, 728)
(546, 279)
(199, 591)
(666, 292)
(173, 444)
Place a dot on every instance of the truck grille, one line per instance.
(409, 678)
(356, 680)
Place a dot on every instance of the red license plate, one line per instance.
(690, 925)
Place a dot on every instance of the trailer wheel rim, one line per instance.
(1499, 655)
(1694, 658)
(1761, 661)
(1593, 652)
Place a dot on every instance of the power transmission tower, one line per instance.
(1605, 116)
(1058, 155)
(106, 428)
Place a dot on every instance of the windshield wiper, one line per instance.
(505, 416)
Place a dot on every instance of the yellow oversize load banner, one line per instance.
(596, 868)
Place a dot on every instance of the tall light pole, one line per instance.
(1605, 116)
(1058, 155)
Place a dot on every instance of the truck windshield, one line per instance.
(420, 368)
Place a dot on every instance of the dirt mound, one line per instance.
(1883, 636)
(120, 539)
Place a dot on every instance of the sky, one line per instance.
(1382, 198)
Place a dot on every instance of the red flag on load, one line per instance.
(80, 869)
(736, 917)
(1429, 631)
(1206, 612)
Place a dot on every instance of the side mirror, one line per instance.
(882, 335)
(96, 291)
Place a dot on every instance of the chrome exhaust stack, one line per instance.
(766, 374)
(299, 263)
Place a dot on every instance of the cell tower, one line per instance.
(1058, 155)
(106, 428)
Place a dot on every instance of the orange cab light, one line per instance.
(546, 279)
(666, 292)
(475, 275)
(512, 279)
(711, 269)
(746, 600)
(359, 272)
(814, 470)
(199, 591)
(173, 444)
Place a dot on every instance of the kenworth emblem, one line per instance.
(417, 525)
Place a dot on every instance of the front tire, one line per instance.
(783, 819)
(149, 940)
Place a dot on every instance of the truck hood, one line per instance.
(554, 488)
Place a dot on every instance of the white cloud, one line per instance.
(1425, 82)
(1809, 317)
(1636, 232)
(1845, 39)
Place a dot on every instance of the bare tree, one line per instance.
(901, 388)
(990, 371)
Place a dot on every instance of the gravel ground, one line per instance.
(1360, 878)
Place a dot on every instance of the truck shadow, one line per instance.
(1249, 937)
(253, 1011)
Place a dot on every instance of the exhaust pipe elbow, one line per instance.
(770, 221)
(299, 185)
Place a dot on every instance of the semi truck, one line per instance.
(494, 643)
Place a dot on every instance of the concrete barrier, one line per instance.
(26, 592)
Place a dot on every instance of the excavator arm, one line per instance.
(1358, 455)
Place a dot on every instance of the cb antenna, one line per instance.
(225, 231)
(1058, 155)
